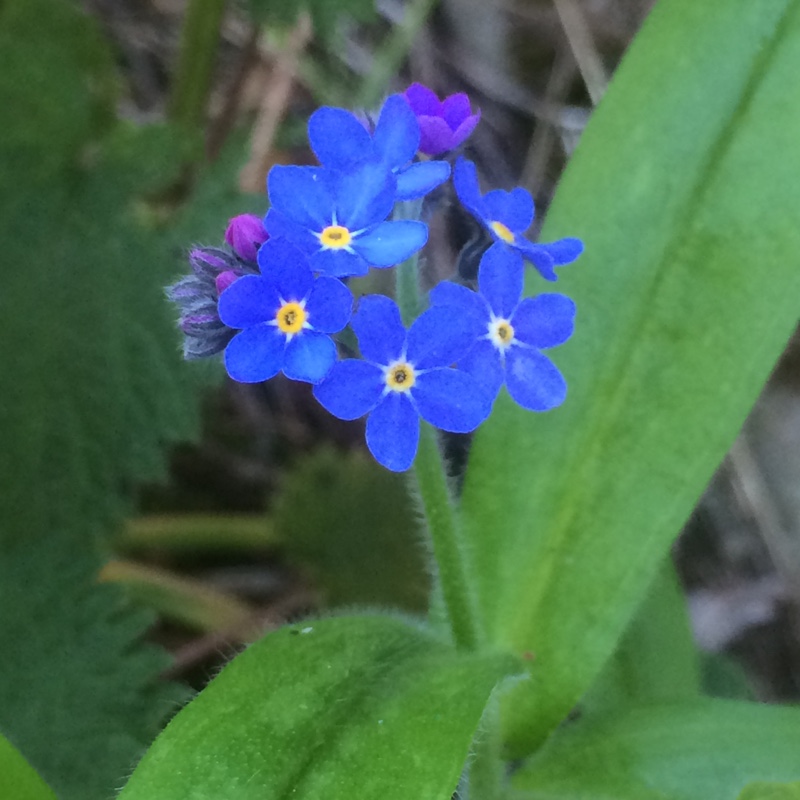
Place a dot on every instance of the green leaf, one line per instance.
(656, 660)
(684, 188)
(351, 706)
(94, 387)
(771, 791)
(703, 751)
(18, 781)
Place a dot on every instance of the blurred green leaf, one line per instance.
(197, 533)
(706, 750)
(188, 602)
(684, 188)
(347, 520)
(18, 781)
(771, 791)
(94, 388)
(370, 707)
(656, 660)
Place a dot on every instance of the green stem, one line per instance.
(442, 523)
(394, 51)
(432, 483)
(198, 51)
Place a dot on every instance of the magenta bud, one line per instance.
(245, 234)
(444, 124)
(224, 280)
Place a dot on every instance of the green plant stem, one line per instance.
(394, 51)
(198, 51)
(442, 523)
(432, 483)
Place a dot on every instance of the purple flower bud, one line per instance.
(245, 234)
(225, 279)
(444, 124)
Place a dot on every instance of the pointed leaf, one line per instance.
(366, 707)
(684, 188)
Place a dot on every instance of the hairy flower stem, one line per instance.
(432, 485)
(442, 524)
(198, 51)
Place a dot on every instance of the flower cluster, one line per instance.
(275, 298)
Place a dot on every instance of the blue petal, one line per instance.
(364, 196)
(304, 194)
(418, 179)
(393, 432)
(465, 181)
(279, 226)
(539, 257)
(396, 135)
(287, 268)
(379, 329)
(533, 380)
(255, 354)
(329, 305)
(441, 335)
(337, 138)
(390, 243)
(338, 263)
(500, 278)
(452, 294)
(563, 251)
(351, 389)
(248, 301)
(514, 209)
(485, 364)
(544, 321)
(309, 357)
(451, 400)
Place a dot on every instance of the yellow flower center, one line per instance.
(291, 317)
(335, 237)
(400, 377)
(501, 333)
(502, 232)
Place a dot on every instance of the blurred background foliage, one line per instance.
(143, 497)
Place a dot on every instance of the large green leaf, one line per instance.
(93, 387)
(703, 751)
(366, 707)
(18, 781)
(684, 188)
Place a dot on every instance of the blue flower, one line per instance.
(284, 314)
(338, 218)
(507, 215)
(512, 331)
(340, 141)
(405, 375)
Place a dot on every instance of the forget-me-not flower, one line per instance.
(507, 215)
(339, 218)
(444, 124)
(341, 141)
(513, 332)
(405, 375)
(285, 316)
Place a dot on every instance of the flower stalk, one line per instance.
(432, 484)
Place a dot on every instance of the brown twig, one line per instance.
(273, 107)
